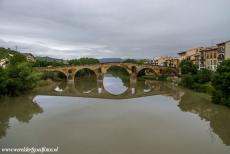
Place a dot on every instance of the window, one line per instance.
(214, 62)
(214, 55)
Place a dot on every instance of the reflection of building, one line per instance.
(29, 57)
(166, 61)
(223, 51)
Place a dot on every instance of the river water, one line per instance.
(115, 117)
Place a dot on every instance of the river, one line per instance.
(115, 116)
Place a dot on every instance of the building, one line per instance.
(4, 62)
(29, 57)
(166, 61)
(211, 58)
(192, 55)
(202, 57)
(223, 51)
(147, 61)
(208, 57)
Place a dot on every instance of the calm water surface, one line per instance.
(116, 117)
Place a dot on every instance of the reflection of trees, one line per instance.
(218, 116)
(85, 84)
(86, 79)
(22, 108)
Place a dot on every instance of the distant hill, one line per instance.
(49, 59)
(110, 60)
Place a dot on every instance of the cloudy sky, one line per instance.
(112, 28)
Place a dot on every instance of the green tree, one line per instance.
(132, 61)
(17, 58)
(18, 77)
(3, 78)
(44, 63)
(187, 80)
(203, 76)
(221, 83)
(187, 67)
(83, 61)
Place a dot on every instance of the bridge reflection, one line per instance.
(96, 89)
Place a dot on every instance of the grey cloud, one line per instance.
(112, 28)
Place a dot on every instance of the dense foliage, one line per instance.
(215, 83)
(133, 61)
(18, 77)
(44, 63)
(187, 67)
(83, 61)
(5, 53)
(195, 79)
(221, 83)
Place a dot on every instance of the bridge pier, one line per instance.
(100, 86)
(133, 81)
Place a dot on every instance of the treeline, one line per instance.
(83, 61)
(18, 77)
(215, 83)
(133, 61)
(44, 63)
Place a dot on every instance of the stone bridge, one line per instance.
(101, 69)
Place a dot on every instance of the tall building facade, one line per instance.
(166, 61)
(211, 58)
(207, 57)
(223, 51)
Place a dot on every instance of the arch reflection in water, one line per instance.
(85, 81)
(114, 85)
(116, 80)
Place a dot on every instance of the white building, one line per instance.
(4, 62)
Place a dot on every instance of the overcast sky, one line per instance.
(112, 28)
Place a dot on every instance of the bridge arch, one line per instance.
(119, 74)
(120, 68)
(120, 65)
(85, 70)
(148, 69)
(57, 74)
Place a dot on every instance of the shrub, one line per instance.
(187, 81)
(221, 82)
(187, 67)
